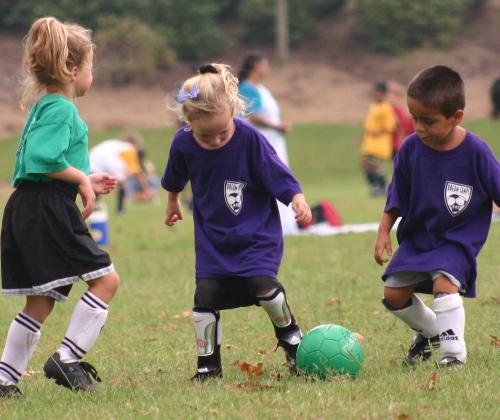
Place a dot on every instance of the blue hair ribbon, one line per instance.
(182, 96)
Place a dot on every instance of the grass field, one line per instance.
(146, 352)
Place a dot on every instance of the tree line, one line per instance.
(160, 32)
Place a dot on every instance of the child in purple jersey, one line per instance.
(445, 180)
(236, 178)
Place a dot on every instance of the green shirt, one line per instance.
(54, 138)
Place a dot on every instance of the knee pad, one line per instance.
(277, 308)
(207, 330)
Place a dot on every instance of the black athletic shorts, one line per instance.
(231, 292)
(46, 245)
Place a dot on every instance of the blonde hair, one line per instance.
(51, 50)
(217, 92)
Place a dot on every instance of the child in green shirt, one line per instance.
(45, 244)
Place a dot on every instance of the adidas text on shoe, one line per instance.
(75, 376)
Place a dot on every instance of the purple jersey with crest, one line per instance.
(445, 201)
(236, 220)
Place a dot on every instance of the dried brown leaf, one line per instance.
(334, 301)
(249, 369)
(430, 383)
(495, 341)
(184, 314)
(29, 373)
(404, 416)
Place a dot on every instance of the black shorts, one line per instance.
(46, 245)
(231, 292)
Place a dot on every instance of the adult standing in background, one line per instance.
(263, 110)
(264, 113)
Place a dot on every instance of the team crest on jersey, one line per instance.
(457, 197)
(233, 193)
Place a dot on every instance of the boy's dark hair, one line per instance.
(381, 87)
(439, 87)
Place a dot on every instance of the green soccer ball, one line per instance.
(330, 350)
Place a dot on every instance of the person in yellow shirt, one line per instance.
(121, 159)
(376, 148)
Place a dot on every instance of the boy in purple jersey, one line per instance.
(236, 178)
(445, 180)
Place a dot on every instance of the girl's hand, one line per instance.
(383, 244)
(87, 193)
(173, 212)
(102, 183)
(301, 208)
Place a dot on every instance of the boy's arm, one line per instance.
(383, 243)
(489, 168)
(495, 182)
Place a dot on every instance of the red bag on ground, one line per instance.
(323, 212)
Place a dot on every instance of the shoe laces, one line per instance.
(89, 369)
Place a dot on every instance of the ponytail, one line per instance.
(51, 49)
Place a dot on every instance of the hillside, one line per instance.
(327, 80)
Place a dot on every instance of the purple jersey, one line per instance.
(236, 221)
(445, 201)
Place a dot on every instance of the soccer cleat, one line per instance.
(206, 373)
(420, 349)
(7, 391)
(75, 376)
(449, 361)
(291, 355)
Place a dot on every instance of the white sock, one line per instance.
(88, 318)
(22, 338)
(418, 317)
(451, 321)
